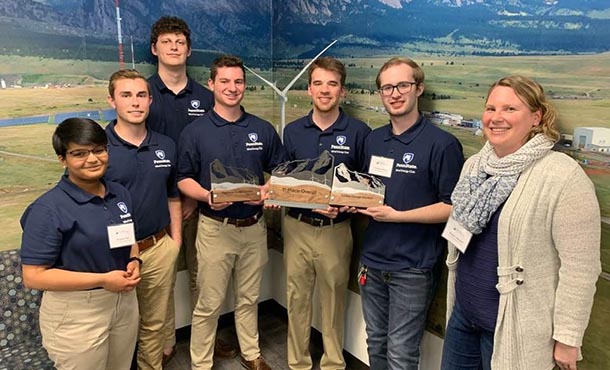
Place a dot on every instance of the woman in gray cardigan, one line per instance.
(521, 295)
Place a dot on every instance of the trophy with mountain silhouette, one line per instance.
(302, 183)
(233, 184)
(356, 189)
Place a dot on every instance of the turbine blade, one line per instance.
(272, 85)
(294, 80)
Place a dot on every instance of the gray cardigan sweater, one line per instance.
(549, 261)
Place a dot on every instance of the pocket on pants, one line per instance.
(53, 313)
(210, 227)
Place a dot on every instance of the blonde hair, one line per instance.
(532, 94)
(130, 74)
(418, 72)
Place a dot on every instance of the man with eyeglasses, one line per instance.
(419, 164)
(144, 161)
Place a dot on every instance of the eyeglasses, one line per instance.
(402, 87)
(84, 153)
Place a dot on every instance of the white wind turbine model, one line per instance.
(283, 94)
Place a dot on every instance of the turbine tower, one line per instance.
(120, 36)
(283, 94)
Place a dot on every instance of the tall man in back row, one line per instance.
(231, 236)
(177, 101)
(318, 243)
(144, 161)
(419, 164)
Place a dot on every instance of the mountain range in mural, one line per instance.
(297, 28)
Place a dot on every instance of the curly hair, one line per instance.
(170, 24)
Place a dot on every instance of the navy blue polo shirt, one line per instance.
(250, 143)
(149, 173)
(66, 228)
(344, 139)
(170, 113)
(427, 165)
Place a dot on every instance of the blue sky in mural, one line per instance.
(260, 30)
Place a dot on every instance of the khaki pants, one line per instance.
(93, 329)
(226, 251)
(315, 255)
(156, 301)
(189, 234)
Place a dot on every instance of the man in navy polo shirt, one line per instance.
(420, 165)
(231, 236)
(144, 161)
(318, 243)
(177, 101)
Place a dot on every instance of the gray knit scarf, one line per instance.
(491, 180)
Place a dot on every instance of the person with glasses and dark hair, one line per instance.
(419, 164)
(78, 247)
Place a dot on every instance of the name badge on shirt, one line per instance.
(381, 166)
(121, 235)
(456, 234)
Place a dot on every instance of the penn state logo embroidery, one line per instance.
(160, 154)
(122, 206)
(408, 157)
(341, 139)
(195, 103)
(253, 136)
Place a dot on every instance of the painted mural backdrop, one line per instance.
(56, 56)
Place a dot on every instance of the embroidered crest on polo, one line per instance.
(254, 144)
(122, 206)
(406, 166)
(340, 148)
(162, 161)
(195, 109)
(408, 157)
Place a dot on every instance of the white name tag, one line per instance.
(381, 166)
(122, 235)
(456, 234)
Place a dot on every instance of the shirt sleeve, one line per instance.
(446, 168)
(172, 180)
(361, 140)
(42, 238)
(576, 233)
(189, 161)
(366, 154)
(288, 147)
(276, 154)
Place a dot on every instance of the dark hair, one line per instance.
(329, 64)
(169, 24)
(130, 74)
(418, 72)
(226, 61)
(77, 130)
